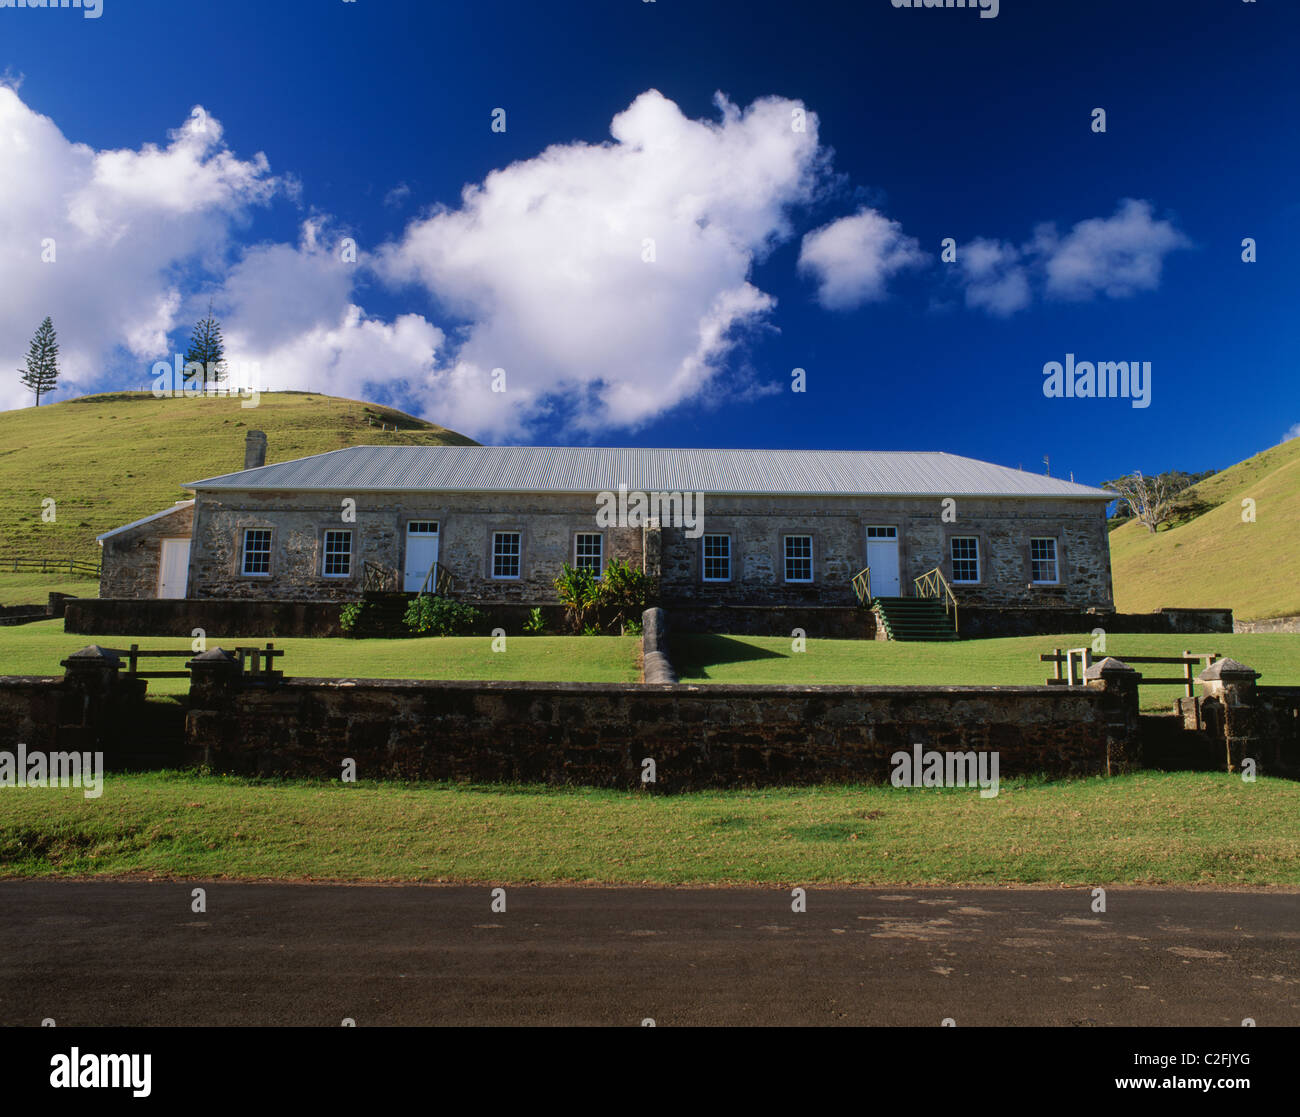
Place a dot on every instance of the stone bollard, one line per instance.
(214, 676)
(95, 694)
(1232, 685)
(1118, 683)
(655, 664)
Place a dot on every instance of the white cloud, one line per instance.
(1292, 432)
(994, 277)
(547, 262)
(120, 226)
(853, 258)
(1117, 257)
(1114, 256)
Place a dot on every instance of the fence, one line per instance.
(258, 663)
(1190, 661)
(72, 567)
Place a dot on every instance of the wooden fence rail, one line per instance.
(70, 566)
(1066, 676)
(259, 663)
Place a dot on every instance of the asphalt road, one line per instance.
(119, 953)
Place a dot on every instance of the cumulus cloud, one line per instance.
(98, 239)
(1292, 432)
(995, 278)
(1115, 257)
(609, 281)
(853, 258)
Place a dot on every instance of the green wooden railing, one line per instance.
(933, 584)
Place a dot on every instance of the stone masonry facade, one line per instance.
(131, 557)
(756, 528)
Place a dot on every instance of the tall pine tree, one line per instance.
(207, 348)
(42, 372)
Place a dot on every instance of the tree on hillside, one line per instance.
(42, 372)
(1182, 506)
(207, 349)
(1147, 498)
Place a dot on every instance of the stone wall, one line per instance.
(698, 736)
(1273, 624)
(130, 562)
(757, 526)
(847, 622)
(984, 621)
(180, 617)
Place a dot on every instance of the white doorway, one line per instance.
(421, 553)
(882, 558)
(174, 568)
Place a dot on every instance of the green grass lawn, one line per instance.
(1150, 828)
(35, 589)
(36, 649)
(1217, 558)
(1011, 661)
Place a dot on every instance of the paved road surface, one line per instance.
(114, 953)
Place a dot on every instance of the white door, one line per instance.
(421, 553)
(173, 567)
(882, 557)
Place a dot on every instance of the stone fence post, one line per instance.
(1232, 686)
(96, 708)
(1118, 683)
(215, 679)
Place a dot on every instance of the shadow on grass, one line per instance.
(692, 656)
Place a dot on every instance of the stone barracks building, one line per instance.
(711, 527)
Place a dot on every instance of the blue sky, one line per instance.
(773, 249)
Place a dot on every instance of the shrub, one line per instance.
(535, 625)
(350, 614)
(441, 616)
(625, 590)
(579, 593)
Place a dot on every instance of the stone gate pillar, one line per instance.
(1118, 683)
(1232, 685)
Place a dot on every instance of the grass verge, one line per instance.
(1149, 828)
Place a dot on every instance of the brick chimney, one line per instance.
(255, 449)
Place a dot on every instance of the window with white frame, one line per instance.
(798, 558)
(717, 558)
(589, 552)
(422, 527)
(338, 554)
(257, 550)
(506, 548)
(876, 531)
(1043, 566)
(965, 558)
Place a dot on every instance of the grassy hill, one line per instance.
(1216, 559)
(109, 459)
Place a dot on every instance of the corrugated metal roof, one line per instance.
(581, 469)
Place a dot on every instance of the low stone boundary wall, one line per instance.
(601, 734)
(1272, 624)
(106, 616)
(982, 621)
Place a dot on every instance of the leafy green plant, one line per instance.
(441, 616)
(535, 625)
(632, 628)
(592, 630)
(626, 591)
(579, 593)
(350, 614)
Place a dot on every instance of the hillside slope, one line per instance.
(1217, 559)
(109, 459)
